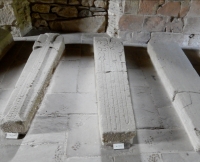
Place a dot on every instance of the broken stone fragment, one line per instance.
(30, 87)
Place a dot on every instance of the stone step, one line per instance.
(116, 118)
(6, 41)
(30, 87)
(182, 84)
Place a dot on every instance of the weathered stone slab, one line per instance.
(117, 123)
(182, 84)
(6, 42)
(29, 90)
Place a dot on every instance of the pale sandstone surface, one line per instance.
(117, 122)
(30, 87)
(161, 136)
(182, 84)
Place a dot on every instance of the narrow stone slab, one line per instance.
(117, 123)
(182, 84)
(30, 87)
(6, 41)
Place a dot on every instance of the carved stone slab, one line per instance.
(182, 84)
(117, 123)
(30, 87)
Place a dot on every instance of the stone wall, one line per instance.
(15, 16)
(69, 15)
(138, 21)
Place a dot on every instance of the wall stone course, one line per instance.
(131, 23)
(195, 9)
(192, 25)
(41, 8)
(148, 7)
(170, 9)
(155, 23)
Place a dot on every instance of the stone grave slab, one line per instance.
(182, 84)
(30, 87)
(116, 118)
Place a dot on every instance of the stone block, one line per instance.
(85, 13)
(192, 25)
(148, 7)
(170, 9)
(135, 37)
(39, 22)
(95, 24)
(30, 87)
(185, 7)
(194, 9)
(6, 41)
(87, 3)
(175, 26)
(117, 122)
(35, 15)
(155, 23)
(131, 23)
(130, 6)
(182, 84)
(68, 11)
(181, 39)
(41, 8)
(49, 16)
(100, 4)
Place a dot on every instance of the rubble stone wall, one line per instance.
(69, 15)
(138, 21)
(15, 16)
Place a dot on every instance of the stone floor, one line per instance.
(66, 129)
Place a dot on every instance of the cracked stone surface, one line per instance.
(182, 84)
(57, 133)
